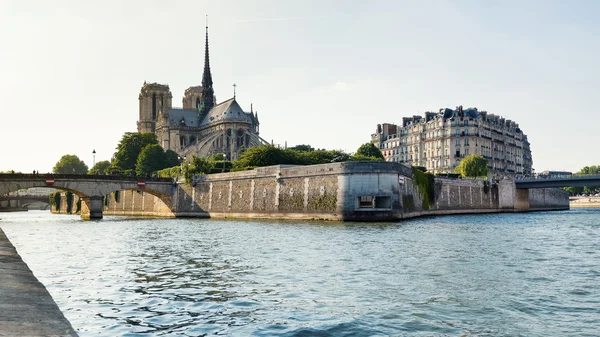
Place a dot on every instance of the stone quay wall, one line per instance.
(358, 191)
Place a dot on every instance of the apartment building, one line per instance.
(440, 140)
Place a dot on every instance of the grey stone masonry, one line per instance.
(26, 307)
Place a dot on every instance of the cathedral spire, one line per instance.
(207, 83)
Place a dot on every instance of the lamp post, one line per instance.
(94, 156)
(224, 158)
(181, 160)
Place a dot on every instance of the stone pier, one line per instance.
(26, 307)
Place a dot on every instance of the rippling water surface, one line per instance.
(534, 274)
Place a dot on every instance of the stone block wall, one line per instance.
(369, 191)
(548, 199)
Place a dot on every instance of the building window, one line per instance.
(466, 123)
(458, 142)
(466, 141)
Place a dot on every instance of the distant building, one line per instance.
(440, 140)
(201, 127)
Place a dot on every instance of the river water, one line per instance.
(531, 274)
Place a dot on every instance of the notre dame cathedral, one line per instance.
(201, 127)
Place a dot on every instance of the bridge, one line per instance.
(29, 201)
(575, 181)
(91, 189)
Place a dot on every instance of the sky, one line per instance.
(319, 72)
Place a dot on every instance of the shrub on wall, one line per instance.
(426, 186)
(69, 202)
(408, 203)
(55, 200)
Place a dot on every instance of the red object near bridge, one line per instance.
(49, 181)
(141, 183)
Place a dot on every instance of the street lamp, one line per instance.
(94, 155)
(181, 160)
(224, 158)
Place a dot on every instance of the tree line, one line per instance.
(139, 154)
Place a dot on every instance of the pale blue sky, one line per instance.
(318, 72)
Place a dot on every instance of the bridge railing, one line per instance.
(21, 176)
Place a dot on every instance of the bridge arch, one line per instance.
(91, 189)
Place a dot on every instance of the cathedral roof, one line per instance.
(183, 117)
(227, 110)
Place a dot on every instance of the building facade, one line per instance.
(201, 127)
(438, 141)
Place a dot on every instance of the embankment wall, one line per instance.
(362, 191)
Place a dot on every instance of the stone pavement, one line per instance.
(26, 307)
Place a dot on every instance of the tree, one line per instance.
(129, 149)
(473, 165)
(585, 189)
(303, 148)
(369, 150)
(196, 166)
(263, 155)
(101, 167)
(151, 159)
(70, 164)
(171, 158)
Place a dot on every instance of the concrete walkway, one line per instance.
(26, 307)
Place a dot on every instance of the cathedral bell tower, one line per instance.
(154, 98)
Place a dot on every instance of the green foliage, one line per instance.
(170, 172)
(55, 200)
(264, 155)
(359, 157)
(473, 165)
(129, 149)
(118, 172)
(369, 150)
(426, 186)
(69, 196)
(408, 203)
(171, 158)
(196, 166)
(302, 148)
(585, 189)
(70, 164)
(152, 158)
(101, 167)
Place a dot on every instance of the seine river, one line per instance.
(534, 274)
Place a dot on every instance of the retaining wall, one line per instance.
(363, 191)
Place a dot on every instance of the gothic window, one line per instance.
(182, 141)
(198, 104)
(153, 106)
